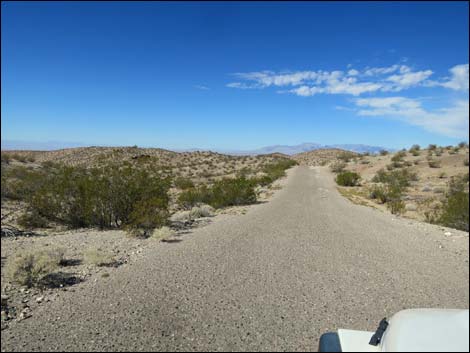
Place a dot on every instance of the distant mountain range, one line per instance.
(306, 147)
(286, 149)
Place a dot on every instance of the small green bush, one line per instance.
(226, 192)
(383, 152)
(401, 178)
(231, 192)
(396, 206)
(183, 183)
(338, 167)
(6, 158)
(346, 156)
(378, 193)
(455, 210)
(348, 178)
(398, 157)
(434, 163)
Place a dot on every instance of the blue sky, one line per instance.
(235, 75)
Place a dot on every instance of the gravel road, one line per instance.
(305, 262)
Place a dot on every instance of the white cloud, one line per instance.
(450, 121)
(459, 78)
(374, 71)
(202, 87)
(353, 82)
(353, 72)
(407, 79)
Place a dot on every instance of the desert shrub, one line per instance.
(434, 163)
(183, 183)
(162, 233)
(347, 178)
(378, 193)
(398, 157)
(6, 158)
(346, 156)
(201, 211)
(338, 167)
(465, 162)
(415, 152)
(455, 209)
(226, 192)
(383, 152)
(31, 220)
(231, 192)
(20, 182)
(463, 144)
(194, 196)
(396, 206)
(432, 147)
(99, 257)
(407, 163)
(106, 197)
(273, 171)
(401, 178)
(415, 148)
(29, 268)
(147, 214)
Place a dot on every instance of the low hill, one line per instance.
(200, 166)
(322, 156)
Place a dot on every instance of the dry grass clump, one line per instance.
(162, 233)
(99, 257)
(30, 267)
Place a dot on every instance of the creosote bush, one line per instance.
(348, 178)
(183, 183)
(401, 178)
(106, 197)
(398, 157)
(455, 208)
(338, 167)
(225, 192)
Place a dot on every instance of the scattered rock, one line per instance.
(39, 299)
(411, 207)
(447, 234)
(25, 313)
